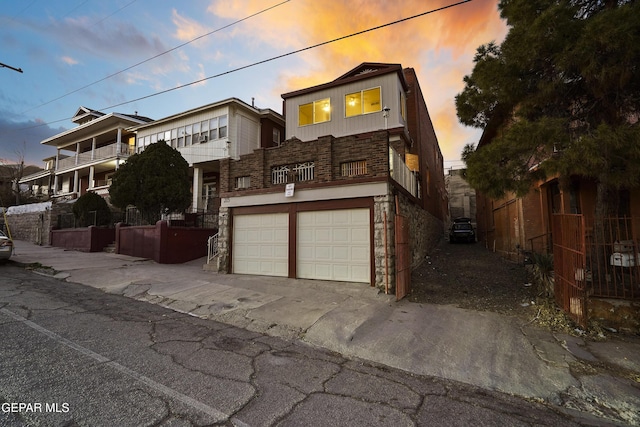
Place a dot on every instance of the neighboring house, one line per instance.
(88, 154)
(596, 266)
(38, 185)
(9, 174)
(462, 197)
(204, 135)
(322, 205)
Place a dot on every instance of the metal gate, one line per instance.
(569, 264)
(403, 257)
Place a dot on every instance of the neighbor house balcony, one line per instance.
(99, 155)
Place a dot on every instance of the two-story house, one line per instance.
(87, 155)
(322, 205)
(206, 134)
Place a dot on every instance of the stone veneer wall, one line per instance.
(224, 232)
(425, 230)
(384, 261)
(32, 223)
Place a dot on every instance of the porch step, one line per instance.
(212, 266)
(110, 248)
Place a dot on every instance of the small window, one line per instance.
(188, 133)
(243, 182)
(222, 127)
(174, 138)
(354, 168)
(276, 136)
(403, 106)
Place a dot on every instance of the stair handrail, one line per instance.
(212, 247)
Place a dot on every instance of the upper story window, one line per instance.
(218, 127)
(276, 136)
(314, 112)
(363, 102)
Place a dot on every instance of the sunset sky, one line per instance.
(99, 54)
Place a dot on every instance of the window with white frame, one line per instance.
(188, 131)
(276, 136)
(174, 138)
(218, 127)
(222, 126)
(243, 182)
(181, 137)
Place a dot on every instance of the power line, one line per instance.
(156, 56)
(284, 55)
(109, 16)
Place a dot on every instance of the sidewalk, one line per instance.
(479, 348)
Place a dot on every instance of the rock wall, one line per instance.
(33, 222)
(224, 232)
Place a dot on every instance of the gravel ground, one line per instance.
(472, 277)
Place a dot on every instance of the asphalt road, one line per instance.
(72, 355)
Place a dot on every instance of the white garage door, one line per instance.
(261, 244)
(334, 245)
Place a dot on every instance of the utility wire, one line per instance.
(284, 55)
(109, 16)
(156, 56)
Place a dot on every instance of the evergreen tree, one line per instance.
(560, 95)
(155, 181)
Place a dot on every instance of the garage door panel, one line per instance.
(334, 245)
(261, 244)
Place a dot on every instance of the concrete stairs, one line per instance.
(110, 248)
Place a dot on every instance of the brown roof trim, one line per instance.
(358, 73)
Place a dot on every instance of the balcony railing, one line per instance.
(402, 174)
(102, 153)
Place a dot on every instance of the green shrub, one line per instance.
(91, 209)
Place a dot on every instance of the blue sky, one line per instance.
(84, 53)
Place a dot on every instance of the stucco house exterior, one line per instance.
(323, 203)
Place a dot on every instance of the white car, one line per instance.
(6, 246)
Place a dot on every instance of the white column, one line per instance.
(118, 145)
(76, 182)
(77, 152)
(93, 148)
(197, 188)
(55, 176)
(91, 175)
